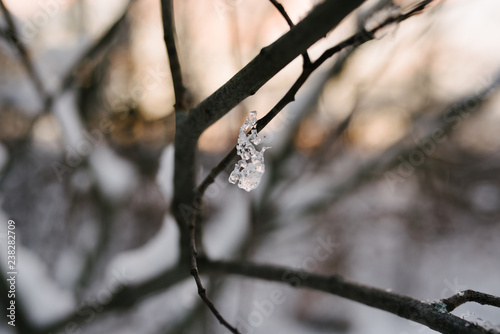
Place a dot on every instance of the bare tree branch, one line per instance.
(196, 275)
(181, 107)
(466, 296)
(444, 123)
(203, 295)
(269, 62)
(173, 58)
(353, 41)
(13, 36)
(245, 83)
(182, 162)
(281, 9)
(428, 314)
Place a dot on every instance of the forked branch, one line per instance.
(466, 296)
(281, 9)
(431, 315)
(353, 41)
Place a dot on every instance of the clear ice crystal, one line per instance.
(249, 170)
(440, 307)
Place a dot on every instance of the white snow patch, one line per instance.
(65, 111)
(165, 176)
(115, 176)
(159, 254)
(68, 268)
(43, 300)
(226, 231)
(87, 236)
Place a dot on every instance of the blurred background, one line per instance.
(390, 152)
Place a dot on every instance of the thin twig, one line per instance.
(202, 292)
(466, 296)
(181, 107)
(271, 59)
(173, 58)
(281, 9)
(427, 314)
(353, 41)
(13, 36)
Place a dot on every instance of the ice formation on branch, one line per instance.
(250, 168)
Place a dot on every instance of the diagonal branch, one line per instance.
(245, 83)
(281, 9)
(173, 57)
(353, 41)
(430, 315)
(13, 36)
(269, 62)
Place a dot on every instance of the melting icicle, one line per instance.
(249, 170)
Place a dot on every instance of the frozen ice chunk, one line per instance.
(440, 307)
(249, 170)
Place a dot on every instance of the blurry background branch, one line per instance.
(93, 55)
(269, 62)
(12, 36)
(435, 132)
